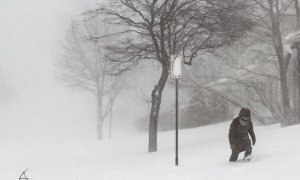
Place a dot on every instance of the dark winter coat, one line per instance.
(238, 134)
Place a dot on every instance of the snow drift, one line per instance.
(203, 154)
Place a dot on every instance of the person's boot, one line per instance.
(247, 158)
(234, 156)
(247, 155)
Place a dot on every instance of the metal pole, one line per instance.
(298, 84)
(176, 124)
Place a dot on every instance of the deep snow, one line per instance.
(203, 154)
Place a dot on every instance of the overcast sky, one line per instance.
(34, 104)
(30, 33)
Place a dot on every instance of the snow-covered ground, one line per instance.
(49, 130)
(204, 154)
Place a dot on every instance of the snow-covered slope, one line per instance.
(204, 154)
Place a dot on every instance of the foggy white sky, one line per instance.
(34, 105)
(30, 33)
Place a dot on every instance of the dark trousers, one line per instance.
(235, 152)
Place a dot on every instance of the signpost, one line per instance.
(176, 73)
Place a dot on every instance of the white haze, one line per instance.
(35, 107)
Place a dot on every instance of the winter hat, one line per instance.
(245, 112)
(244, 116)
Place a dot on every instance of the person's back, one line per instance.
(238, 135)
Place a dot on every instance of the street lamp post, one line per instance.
(176, 123)
(176, 73)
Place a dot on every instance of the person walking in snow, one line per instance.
(239, 139)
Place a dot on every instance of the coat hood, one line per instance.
(244, 116)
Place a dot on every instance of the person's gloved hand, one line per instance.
(253, 141)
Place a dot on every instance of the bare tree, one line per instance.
(296, 5)
(270, 16)
(153, 30)
(84, 66)
(274, 21)
(232, 73)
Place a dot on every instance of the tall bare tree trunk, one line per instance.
(282, 61)
(113, 89)
(158, 89)
(99, 122)
(100, 95)
(297, 14)
(156, 101)
(99, 111)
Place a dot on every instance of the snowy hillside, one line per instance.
(203, 154)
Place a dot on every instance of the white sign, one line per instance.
(176, 67)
